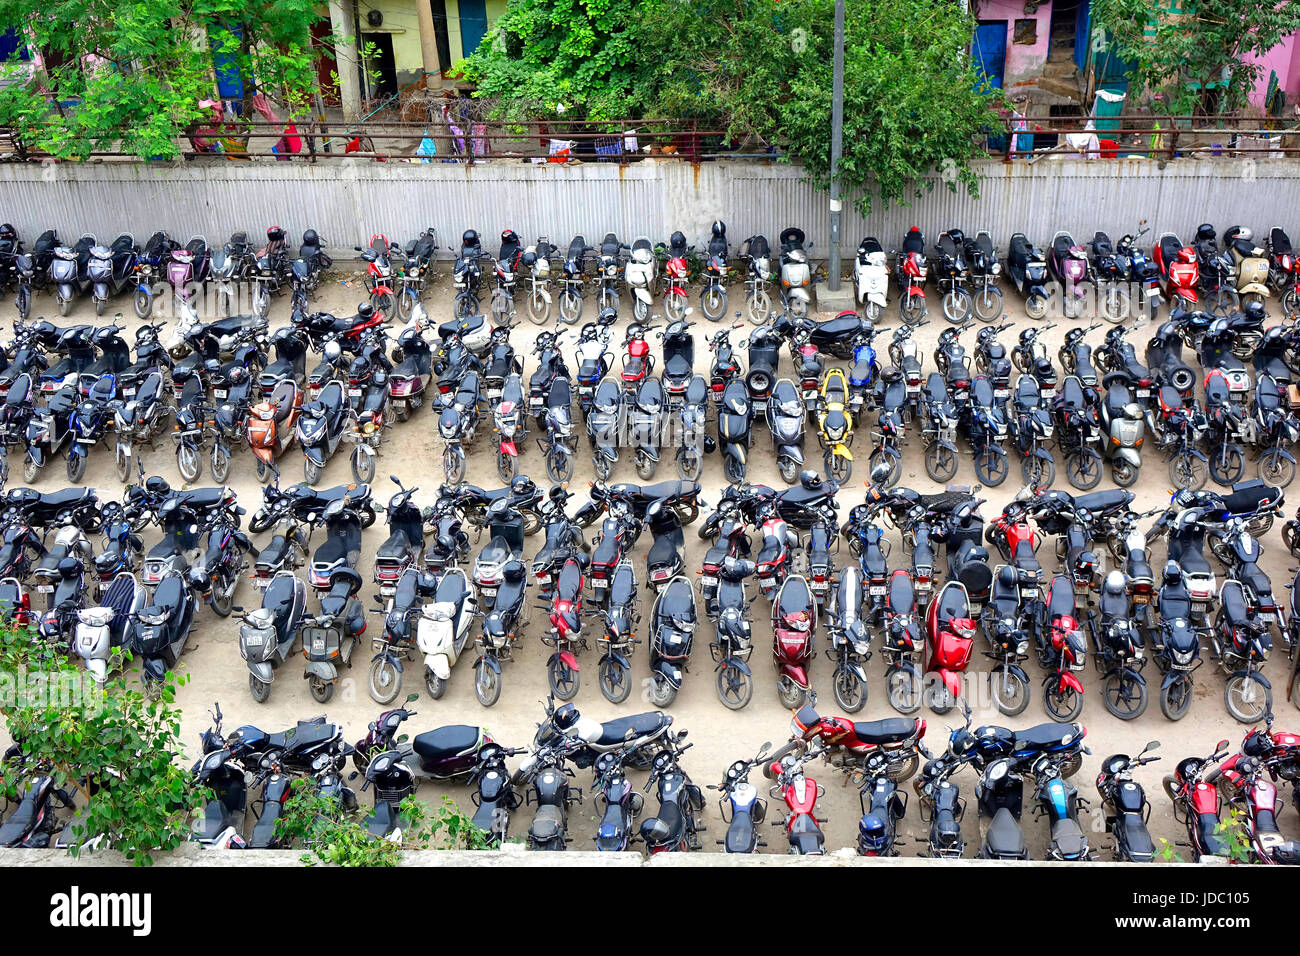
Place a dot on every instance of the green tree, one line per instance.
(1198, 57)
(130, 75)
(914, 102)
(112, 749)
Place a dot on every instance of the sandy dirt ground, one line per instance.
(216, 672)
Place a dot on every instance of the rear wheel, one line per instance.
(321, 690)
(1290, 303)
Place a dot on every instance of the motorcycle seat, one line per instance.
(1061, 599)
(1136, 836)
(1232, 599)
(1253, 576)
(1004, 836)
(1117, 396)
(547, 825)
(1044, 736)
(642, 725)
(1174, 602)
(1068, 838)
(890, 730)
(663, 551)
(1101, 244)
(570, 579)
(169, 594)
(914, 241)
(806, 836)
(450, 741)
(1207, 825)
(740, 834)
(677, 366)
(1103, 502)
(1170, 246)
(1071, 395)
(1250, 496)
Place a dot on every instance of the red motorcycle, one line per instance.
(1262, 805)
(379, 271)
(849, 744)
(1061, 651)
(677, 271)
(1196, 804)
(1179, 270)
(912, 271)
(1277, 749)
(794, 622)
(1018, 544)
(774, 558)
(949, 637)
(800, 793)
(638, 363)
(562, 669)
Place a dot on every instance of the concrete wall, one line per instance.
(1024, 61)
(347, 201)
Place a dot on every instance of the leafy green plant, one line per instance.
(1207, 57)
(1167, 853)
(1235, 836)
(111, 748)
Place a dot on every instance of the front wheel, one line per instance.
(564, 679)
(1222, 302)
(385, 680)
(735, 686)
(838, 467)
(940, 462)
(1038, 472)
(662, 692)
(487, 684)
(675, 306)
(850, 691)
(453, 464)
(260, 689)
(264, 472)
(1276, 469)
(1036, 307)
(123, 461)
(957, 306)
(1176, 697)
(911, 308)
(464, 305)
(1083, 469)
(1063, 704)
(559, 465)
(1124, 694)
(507, 466)
(31, 470)
(321, 690)
(23, 301)
(539, 308)
(220, 463)
(188, 463)
(570, 307)
(311, 471)
(1123, 473)
(903, 687)
(991, 466)
(758, 306)
(1010, 693)
(1247, 698)
(223, 598)
(1115, 304)
(76, 467)
(689, 465)
(988, 304)
(1188, 471)
(363, 466)
(713, 303)
(615, 681)
(895, 463)
(1227, 465)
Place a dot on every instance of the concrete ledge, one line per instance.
(193, 855)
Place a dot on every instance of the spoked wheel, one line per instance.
(381, 302)
(1176, 697)
(1290, 303)
(911, 308)
(735, 687)
(1010, 693)
(223, 598)
(1114, 304)
(662, 691)
(507, 466)
(385, 680)
(1083, 469)
(570, 307)
(991, 466)
(713, 303)
(675, 306)
(453, 465)
(188, 463)
(363, 467)
(487, 685)
(850, 691)
(758, 307)
(603, 467)
(1061, 704)
(564, 680)
(880, 456)
(903, 687)
(406, 304)
(220, 463)
(503, 309)
(1038, 472)
(1124, 694)
(23, 302)
(608, 299)
(1227, 464)
(790, 694)
(1188, 471)
(539, 308)
(615, 681)
(988, 303)
(940, 462)
(1275, 468)
(1247, 698)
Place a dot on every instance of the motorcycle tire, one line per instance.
(1188, 471)
(789, 469)
(1124, 695)
(65, 305)
(31, 470)
(675, 306)
(839, 468)
(713, 303)
(220, 464)
(903, 687)
(321, 690)
(911, 309)
(615, 681)
(1227, 465)
(464, 306)
(790, 694)
(188, 463)
(264, 472)
(603, 466)
(539, 308)
(735, 687)
(988, 304)
(487, 685)
(363, 467)
(453, 466)
(732, 470)
(1083, 469)
(1222, 303)
(957, 306)
(1247, 698)
(1176, 698)
(1290, 303)
(1124, 474)
(1036, 307)
(1063, 707)
(776, 756)
(1038, 473)
(940, 463)
(758, 306)
(894, 462)
(570, 306)
(76, 467)
(434, 685)
(1114, 305)
(23, 302)
(405, 304)
(123, 462)
(689, 465)
(662, 692)
(850, 692)
(640, 311)
(1274, 468)
(558, 465)
(222, 606)
(259, 689)
(608, 299)
(871, 311)
(99, 306)
(311, 471)
(564, 680)
(507, 467)
(991, 467)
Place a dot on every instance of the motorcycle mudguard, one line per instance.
(78, 450)
(493, 664)
(1136, 675)
(262, 670)
(322, 669)
(1283, 452)
(1256, 675)
(737, 452)
(1170, 678)
(1067, 679)
(1254, 288)
(438, 663)
(155, 669)
(1129, 455)
(509, 448)
(642, 294)
(952, 681)
(383, 290)
(101, 290)
(800, 294)
(793, 452)
(735, 662)
(36, 455)
(670, 672)
(617, 658)
(364, 449)
(608, 452)
(841, 450)
(315, 454)
(65, 290)
(859, 671)
(569, 660)
(1037, 290)
(1015, 670)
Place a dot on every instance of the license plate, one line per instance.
(45, 588)
(1151, 293)
(1266, 618)
(1144, 393)
(543, 579)
(877, 590)
(489, 592)
(85, 441)
(1029, 592)
(1198, 607)
(708, 582)
(261, 583)
(819, 585)
(914, 390)
(252, 640)
(354, 393)
(1046, 392)
(219, 393)
(387, 589)
(1001, 393)
(961, 395)
(1142, 599)
(128, 393)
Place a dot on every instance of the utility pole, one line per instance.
(837, 149)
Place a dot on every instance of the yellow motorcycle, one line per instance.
(835, 424)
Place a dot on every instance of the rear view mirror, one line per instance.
(1221, 745)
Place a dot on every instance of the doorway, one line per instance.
(381, 67)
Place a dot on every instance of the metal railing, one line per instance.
(1151, 135)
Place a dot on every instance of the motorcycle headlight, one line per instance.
(313, 431)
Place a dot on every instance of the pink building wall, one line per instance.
(1284, 59)
(1023, 61)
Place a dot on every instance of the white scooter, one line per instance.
(871, 278)
(100, 629)
(444, 627)
(639, 275)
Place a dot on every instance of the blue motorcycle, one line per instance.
(88, 423)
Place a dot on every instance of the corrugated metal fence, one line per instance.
(347, 202)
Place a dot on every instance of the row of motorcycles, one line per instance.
(91, 269)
